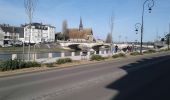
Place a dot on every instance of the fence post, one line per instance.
(35, 56)
(50, 55)
(105, 52)
(81, 53)
(72, 54)
(14, 56)
(62, 55)
(95, 52)
(88, 53)
(100, 52)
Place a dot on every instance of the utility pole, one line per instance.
(168, 36)
(111, 22)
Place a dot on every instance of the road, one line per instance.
(135, 78)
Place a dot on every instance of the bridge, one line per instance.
(97, 46)
(81, 46)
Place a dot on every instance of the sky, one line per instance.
(95, 14)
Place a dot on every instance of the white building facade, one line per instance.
(39, 33)
(9, 34)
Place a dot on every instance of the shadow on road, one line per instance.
(147, 79)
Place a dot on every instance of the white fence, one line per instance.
(52, 57)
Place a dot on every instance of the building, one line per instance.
(80, 34)
(10, 35)
(38, 33)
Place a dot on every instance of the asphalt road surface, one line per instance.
(135, 78)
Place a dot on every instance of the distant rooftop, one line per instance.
(12, 29)
(39, 25)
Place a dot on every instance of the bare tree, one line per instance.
(65, 29)
(30, 8)
(109, 38)
(111, 25)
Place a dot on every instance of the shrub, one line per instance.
(122, 55)
(17, 64)
(119, 55)
(36, 64)
(68, 60)
(32, 64)
(135, 53)
(115, 56)
(61, 61)
(150, 51)
(97, 57)
(163, 50)
(22, 64)
(64, 60)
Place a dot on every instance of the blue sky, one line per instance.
(95, 14)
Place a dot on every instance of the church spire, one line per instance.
(81, 24)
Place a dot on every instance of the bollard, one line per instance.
(14, 56)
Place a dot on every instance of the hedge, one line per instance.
(135, 53)
(97, 57)
(17, 64)
(63, 60)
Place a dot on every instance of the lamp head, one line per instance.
(136, 30)
(150, 9)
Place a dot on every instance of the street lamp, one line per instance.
(136, 45)
(150, 6)
(137, 26)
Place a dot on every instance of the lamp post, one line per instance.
(168, 40)
(150, 5)
(168, 36)
(137, 26)
(136, 45)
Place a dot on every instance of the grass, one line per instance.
(135, 53)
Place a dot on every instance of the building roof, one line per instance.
(13, 29)
(79, 34)
(20, 30)
(39, 26)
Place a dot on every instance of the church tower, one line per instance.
(81, 24)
